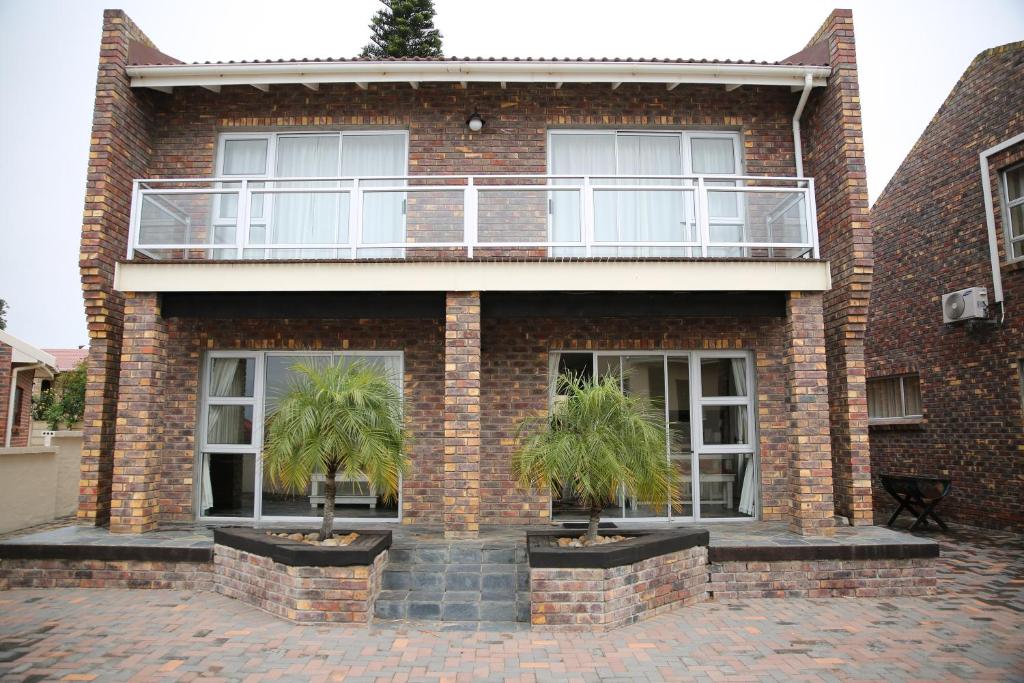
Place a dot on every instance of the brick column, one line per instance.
(140, 415)
(834, 152)
(119, 152)
(811, 509)
(462, 415)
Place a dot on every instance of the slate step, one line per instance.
(461, 582)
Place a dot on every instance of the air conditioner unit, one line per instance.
(966, 304)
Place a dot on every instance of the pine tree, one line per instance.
(405, 28)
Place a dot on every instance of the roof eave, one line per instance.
(163, 76)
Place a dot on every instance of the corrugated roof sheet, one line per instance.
(150, 60)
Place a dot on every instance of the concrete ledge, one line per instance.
(846, 552)
(363, 551)
(640, 546)
(606, 275)
(114, 553)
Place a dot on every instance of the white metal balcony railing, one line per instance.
(473, 216)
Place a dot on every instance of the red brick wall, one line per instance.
(931, 239)
(22, 431)
(187, 122)
(834, 154)
(6, 352)
(514, 374)
(421, 340)
(462, 383)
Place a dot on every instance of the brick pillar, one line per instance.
(810, 463)
(119, 152)
(834, 152)
(462, 415)
(140, 415)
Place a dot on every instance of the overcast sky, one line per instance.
(910, 55)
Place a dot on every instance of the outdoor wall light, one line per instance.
(475, 122)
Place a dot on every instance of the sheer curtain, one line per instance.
(650, 216)
(227, 378)
(300, 218)
(383, 212)
(713, 156)
(244, 157)
(739, 378)
(582, 154)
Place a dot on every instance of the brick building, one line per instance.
(698, 229)
(20, 364)
(946, 399)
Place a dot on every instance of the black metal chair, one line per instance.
(917, 494)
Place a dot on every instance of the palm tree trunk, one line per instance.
(330, 488)
(595, 518)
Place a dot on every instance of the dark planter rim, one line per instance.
(362, 552)
(641, 544)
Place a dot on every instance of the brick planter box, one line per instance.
(301, 582)
(605, 587)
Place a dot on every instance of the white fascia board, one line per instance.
(23, 352)
(178, 75)
(503, 276)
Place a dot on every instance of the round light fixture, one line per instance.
(475, 122)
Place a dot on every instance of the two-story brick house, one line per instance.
(476, 226)
(947, 399)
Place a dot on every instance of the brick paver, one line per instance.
(973, 629)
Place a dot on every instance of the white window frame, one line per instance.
(256, 448)
(904, 416)
(685, 136)
(273, 138)
(697, 447)
(1007, 205)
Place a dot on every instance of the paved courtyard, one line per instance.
(972, 630)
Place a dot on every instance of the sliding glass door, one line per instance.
(240, 389)
(707, 399)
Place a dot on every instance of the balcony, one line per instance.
(446, 217)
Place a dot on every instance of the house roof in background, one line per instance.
(68, 359)
(23, 352)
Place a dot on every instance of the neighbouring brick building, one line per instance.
(20, 364)
(475, 227)
(946, 398)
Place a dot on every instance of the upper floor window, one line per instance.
(642, 159)
(1013, 194)
(894, 398)
(318, 216)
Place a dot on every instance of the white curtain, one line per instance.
(246, 157)
(649, 216)
(227, 378)
(582, 154)
(311, 218)
(739, 379)
(711, 156)
(383, 212)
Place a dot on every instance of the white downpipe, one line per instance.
(10, 398)
(798, 150)
(990, 218)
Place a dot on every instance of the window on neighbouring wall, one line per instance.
(894, 398)
(1013, 195)
(19, 400)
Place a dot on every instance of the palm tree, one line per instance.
(343, 418)
(596, 441)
